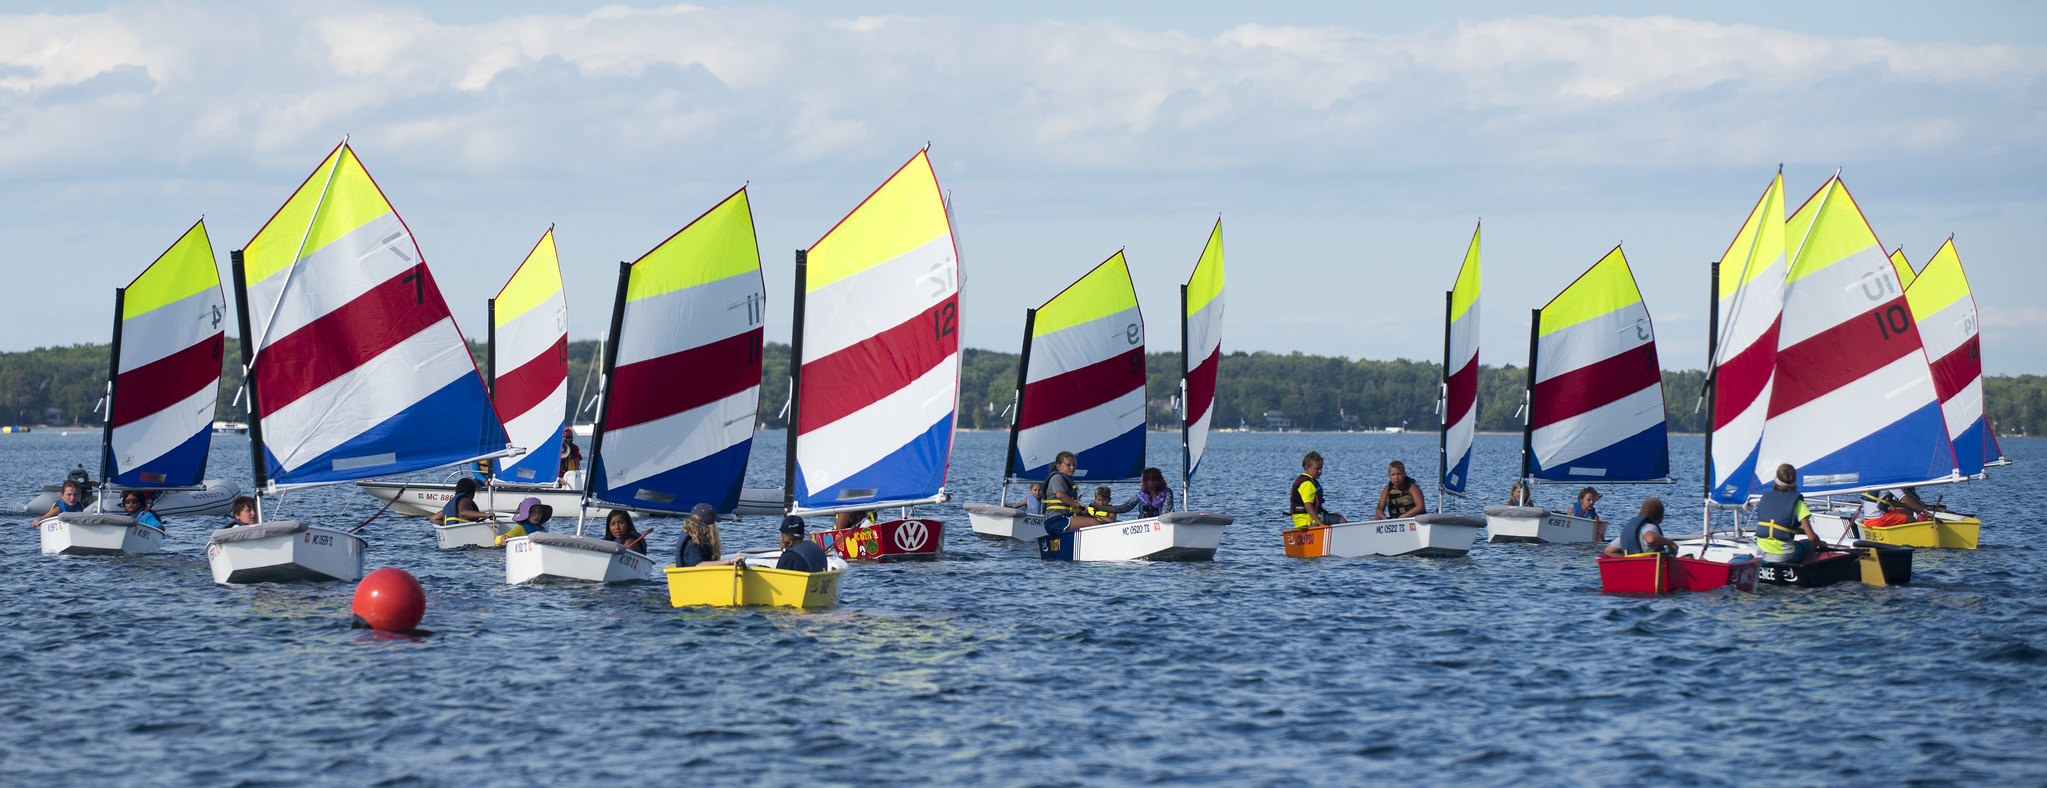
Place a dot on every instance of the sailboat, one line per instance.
(1845, 395)
(1201, 355)
(353, 365)
(1944, 310)
(1594, 412)
(161, 392)
(1435, 534)
(677, 395)
(527, 364)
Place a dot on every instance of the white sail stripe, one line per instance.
(642, 450)
(1963, 409)
(541, 422)
(1947, 328)
(1832, 421)
(368, 395)
(831, 453)
(1458, 441)
(879, 298)
(1557, 445)
(1592, 341)
(1747, 313)
(678, 320)
(1197, 438)
(1205, 329)
(1081, 431)
(1464, 339)
(526, 337)
(1084, 344)
(1836, 294)
(172, 327)
(1733, 442)
(344, 270)
(150, 437)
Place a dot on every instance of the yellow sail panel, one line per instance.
(1759, 245)
(1606, 288)
(345, 198)
(1102, 292)
(1830, 228)
(1940, 284)
(1207, 281)
(1903, 267)
(1465, 292)
(717, 245)
(186, 269)
(906, 213)
(537, 281)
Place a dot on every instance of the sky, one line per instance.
(1349, 148)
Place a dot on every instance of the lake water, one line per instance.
(990, 667)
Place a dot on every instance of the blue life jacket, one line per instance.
(1631, 535)
(65, 507)
(806, 556)
(1777, 514)
(453, 506)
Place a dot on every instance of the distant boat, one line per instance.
(354, 369)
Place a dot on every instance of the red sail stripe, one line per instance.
(1463, 392)
(145, 390)
(1739, 380)
(1843, 354)
(1954, 371)
(1201, 386)
(522, 389)
(860, 374)
(666, 385)
(1600, 383)
(343, 340)
(1067, 393)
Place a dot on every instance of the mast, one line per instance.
(1443, 405)
(1023, 369)
(1528, 402)
(107, 423)
(256, 464)
(1712, 356)
(490, 372)
(625, 276)
(1186, 367)
(795, 381)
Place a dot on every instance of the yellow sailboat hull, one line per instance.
(1955, 534)
(731, 586)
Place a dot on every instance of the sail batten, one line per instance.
(1460, 371)
(1596, 411)
(167, 362)
(679, 404)
(878, 370)
(359, 370)
(530, 362)
(1085, 389)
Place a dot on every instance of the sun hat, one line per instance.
(526, 508)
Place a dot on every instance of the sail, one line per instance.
(1084, 381)
(681, 396)
(357, 368)
(1596, 413)
(1903, 268)
(1460, 372)
(879, 348)
(1945, 312)
(530, 362)
(1749, 299)
(1853, 406)
(167, 368)
(1201, 313)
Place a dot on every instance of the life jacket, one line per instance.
(1777, 514)
(65, 507)
(1053, 506)
(1631, 536)
(1875, 502)
(1153, 506)
(1295, 505)
(1400, 500)
(450, 510)
(1102, 513)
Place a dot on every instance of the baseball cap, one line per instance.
(792, 525)
(704, 512)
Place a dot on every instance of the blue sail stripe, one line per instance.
(451, 425)
(543, 460)
(181, 467)
(1970, 449)
(1894, 455)
(1121, 457)
(913, 472)
(1459, 474)
(1735, 491)
(714, 480)
(1644, 456)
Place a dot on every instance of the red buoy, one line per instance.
(390, 600)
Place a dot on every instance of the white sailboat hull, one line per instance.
(426, 500)
(547, 556)
(218, 496)
(1178, 536)
(1003, 523)
(1430, 535)
(1540, 526)
(98, 534)
(284, 552)
(461, 535)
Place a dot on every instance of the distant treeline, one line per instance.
(61, 385)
